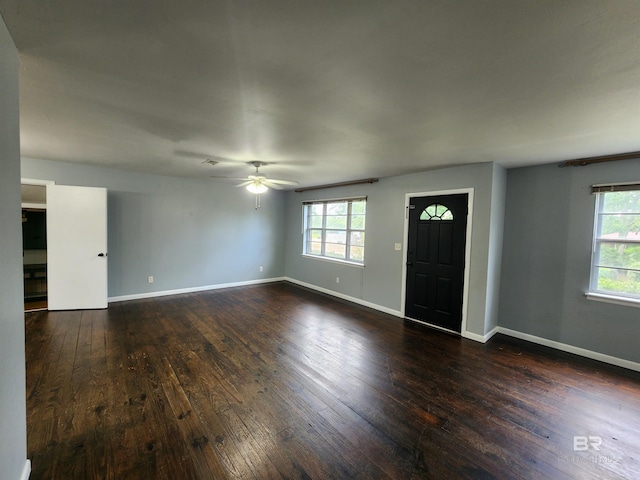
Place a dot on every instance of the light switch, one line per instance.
(398, 246)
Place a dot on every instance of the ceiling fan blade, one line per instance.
(282, 182)
(257, 179)
(270, 184)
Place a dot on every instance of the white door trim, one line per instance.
(467, 253)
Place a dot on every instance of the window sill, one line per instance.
(603, 297)
(333, 260)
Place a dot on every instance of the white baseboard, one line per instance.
(26, 470)
(349, 298)
(480, 338)
(138, 296)
(583, 352)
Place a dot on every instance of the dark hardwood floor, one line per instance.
(275, 381)
(34, 305)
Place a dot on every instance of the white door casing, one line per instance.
(467, 261)
(76, 247)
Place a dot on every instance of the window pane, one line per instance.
(314, 248)
(337, 221)
(315, 235)
(337, 208)
(334, 250)
(336, 236)
(620, 226)
(622, 202)
(616, 280)
(316, 222)
(436, 212)
(357, 238)
(356, 254)
(357, 222)
(317, 209)
(359, 208)
(625, 255)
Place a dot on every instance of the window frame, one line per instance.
(307, 230)
(594, 293)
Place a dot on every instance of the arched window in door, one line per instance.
(436, 211)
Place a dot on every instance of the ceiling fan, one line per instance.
(258, 183)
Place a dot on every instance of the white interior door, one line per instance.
(76, 247)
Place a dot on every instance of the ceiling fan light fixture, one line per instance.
(257, 187)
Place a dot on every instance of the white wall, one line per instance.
(13, 431)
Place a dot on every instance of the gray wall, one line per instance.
(494, 263)
(546, 260)
(13, 420)
(380, 281)
(185, 232)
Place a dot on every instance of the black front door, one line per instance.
(435, 260)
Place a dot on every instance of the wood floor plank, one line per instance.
(275, 381)
(202, 448)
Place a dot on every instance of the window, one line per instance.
(436, 212)
(335, 229)
(615, 264)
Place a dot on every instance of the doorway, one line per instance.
(74, 263)
(34, 255)
(436, 259)
(34, 244)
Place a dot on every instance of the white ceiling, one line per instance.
(325, 91)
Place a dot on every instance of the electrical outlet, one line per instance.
(150, 279)
(261, 268)
(337, 279)
(398, 246)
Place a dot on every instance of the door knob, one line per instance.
(409, 264)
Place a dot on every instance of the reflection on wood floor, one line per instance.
(274, 381)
